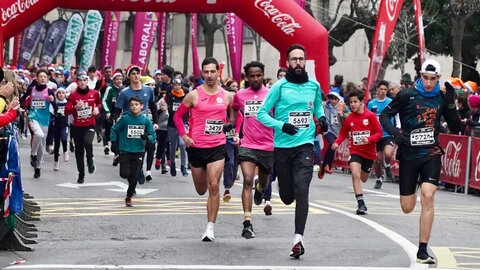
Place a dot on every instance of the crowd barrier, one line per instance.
(460, 163)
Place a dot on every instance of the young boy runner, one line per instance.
(363, 129)
(60, 132)
(129, 136)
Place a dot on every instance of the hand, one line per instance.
(289, 129)
(187, 140)
(398, 139)
(155, 126)
(108, 116)
(114, 147)
(334, 146)
(323, 123)
(51, 98)
(236, 139)
(144, 137)
(95, 111)
(79, 104)
(6, 90)
(365, 140)
(227, 127)
(14, 104)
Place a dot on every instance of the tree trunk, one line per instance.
(225, 42)
(258, 43)
(187, 42)
(458, 28)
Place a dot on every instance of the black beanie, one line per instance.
(168, 70)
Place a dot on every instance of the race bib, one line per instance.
(38, 103)
(61, 110)
(357, 136)
(422, 136)
(175, 106)
(335, 121)
(299, 119)
(213, 127)
(85, 112)
(251, 107)
(230, 134)
(135, 131)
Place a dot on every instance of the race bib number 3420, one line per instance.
(213, 127)
(299, 119)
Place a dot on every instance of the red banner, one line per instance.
(454, 161)
(161, 38)
(421, 36)
(144, 30)
(388, 12)
(342, 155)
(475, 165)
(110, 38)
(234, 26)
(196, 65)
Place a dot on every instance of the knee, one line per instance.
(287, 199)
(248, 182)
(407, 209)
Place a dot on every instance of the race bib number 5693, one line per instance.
(299, 119)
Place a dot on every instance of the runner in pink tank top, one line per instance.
(205, 140)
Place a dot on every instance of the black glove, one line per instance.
(322, 121)
(289, 129)
(144, 137)
(114, 147)
(449, 95)
(227, 127)
(398, 137)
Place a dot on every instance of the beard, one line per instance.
(255, 87)
(297, 70)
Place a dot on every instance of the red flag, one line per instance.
(16, 48)
(145, 27)
(161, 38)
(196, 65)
(388, 12)
(421, 37)
(110, 37)
(235, 44)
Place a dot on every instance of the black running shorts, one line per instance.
(366, 163)
(417, 171)
(264, 159)
(200, 157)
(380, 145)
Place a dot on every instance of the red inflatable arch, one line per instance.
(281, 22)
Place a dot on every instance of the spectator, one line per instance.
(473, 124)
(406, 81)
(337, 85)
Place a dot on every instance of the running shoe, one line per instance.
(81, 178)
(164, 169)
(37, 173)
(184, 171)
(297, 250)
(227, 196)
(128, 202)
(72, 147)
(258, 195)
(56, 166)
(389, 173)
(362, 209)
(106, 150)
(158, 163)
(424, 258)
(247, 231)
(148, 178)
(378, 184)
(267, 209)
(141, 177)
(115, 161)
(208, 235)
(328, 169)
(33, 161)
(91, 166)
(321, 173)
(66, 156)
(173, 170)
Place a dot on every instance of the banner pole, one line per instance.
(469, 157)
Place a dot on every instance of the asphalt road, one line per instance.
(88, 227)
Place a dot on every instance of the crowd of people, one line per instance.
(272, 131)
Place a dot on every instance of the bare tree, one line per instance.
(210, 23)
(188, 32)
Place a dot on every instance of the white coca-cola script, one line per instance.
(391, 6)
(451, 162)
(477, 168)
(282, 20)
(148, 1)
(342, 153)
(15, 9)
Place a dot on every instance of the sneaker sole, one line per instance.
(298, 254)
(248, 235)
(268, 210)
(426, 261)
(227, 198)
(361, 213)
(207, 239)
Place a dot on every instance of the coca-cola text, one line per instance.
(282, 20)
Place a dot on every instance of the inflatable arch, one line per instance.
(280, 22)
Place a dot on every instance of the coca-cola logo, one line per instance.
(451, 163)
(342, 154)
(477, 168)
(15, 9)
(148, 1)
(283, 21)
(391, 6)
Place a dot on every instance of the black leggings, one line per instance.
(130, 166)
(60, 134)
(83, 137)
(150, 150)
(294, 167)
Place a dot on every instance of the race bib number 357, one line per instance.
(213, 127)
(135, 131)
(299, 119)
(252, 107)
(422, 136)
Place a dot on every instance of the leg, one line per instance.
(248, 170)
(88, 143)
(78, 134)
(37, 138)
(303, 171)
(136, 162)
(150, 148)
(214, 172)
(56, 139)
(283, 167)
(356, 169)
(228, 169)
(199, 176)
(427, 213)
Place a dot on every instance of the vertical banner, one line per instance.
(93, 23)
(30, 39)
(144, 30)
(421, 36)
(475, 165)
(53, 41)
(454, 161)
(110, 38)
(301, 3)
(16, 48)
(74, 31)
(234, 27)
(196, 65)
(388, 12)
(161, 38)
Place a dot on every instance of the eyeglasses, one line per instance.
(295, 59)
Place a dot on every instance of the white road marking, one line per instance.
(241, 267)
(122, 187)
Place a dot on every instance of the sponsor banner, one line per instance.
(475, 165)
(301, 3)
(234, 26)
(110, 37)
(342, 155)
(195, 63)
(161, 38)
(16, 48)
(53, 41)
(388, 12)
(144, 30)
(30, 39)
(454, 161)
(74, 31)
(421, 36)
(93, 23)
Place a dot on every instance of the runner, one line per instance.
(60, 133)
(84, 104)
(296, 99)
(109, 98)
(363, 129)
(256, 148)
(205, 141)
(128, 137)
(419, 153)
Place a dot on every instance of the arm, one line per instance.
(391, 110)
(263, 115)
(377, 129)
(69, 107)
(104, 100)
(187, 103)
(318, 107)
(150, 132)
(153, 108)
(342, 135)
(116, 130)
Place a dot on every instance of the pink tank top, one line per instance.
(207, 118)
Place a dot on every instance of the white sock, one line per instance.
(149, 173)
(298, 238)
(210, 225)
